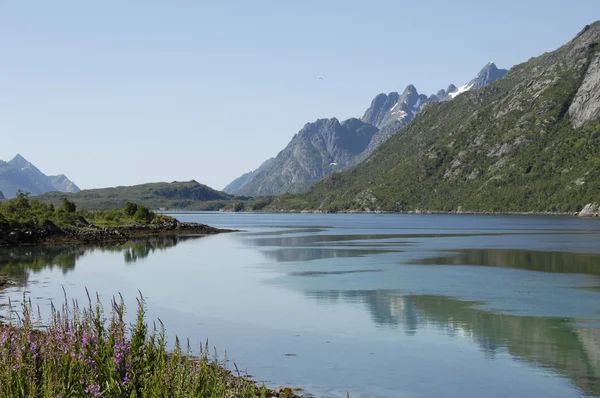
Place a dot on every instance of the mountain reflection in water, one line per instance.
(557, 344)
(545, 261)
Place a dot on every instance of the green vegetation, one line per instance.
(81, 354)
(25, 211)
(188, 195)
(249, 204)
(510, 146)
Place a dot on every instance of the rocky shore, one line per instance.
(50, 234)
(457, 212)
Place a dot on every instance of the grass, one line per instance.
(81, 353)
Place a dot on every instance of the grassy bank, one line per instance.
(81, 353)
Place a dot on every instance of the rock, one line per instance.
(321, 148)
(586, 104)
(589, 210)
(63, 184)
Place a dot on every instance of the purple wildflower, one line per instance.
(93, 390)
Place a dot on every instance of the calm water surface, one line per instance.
(376, 305)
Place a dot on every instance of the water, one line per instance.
(373, 305)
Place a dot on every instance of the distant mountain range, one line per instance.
(527, 142)
(20, 174)
(328, 145)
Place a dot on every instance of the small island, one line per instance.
(25, 221)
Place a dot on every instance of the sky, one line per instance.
(127, 92)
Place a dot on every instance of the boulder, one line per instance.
(589, 210)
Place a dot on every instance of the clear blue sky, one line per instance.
(119, 93)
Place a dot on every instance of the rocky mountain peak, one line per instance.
(410, 89)
(409, 96)
(489, 73)
(19, 162)
(21, 174)
(380, 107)
(315, 127)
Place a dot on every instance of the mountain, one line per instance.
(35, 177)
(387, 112)
(174, 195)
(529, 141)
(397, 111)
(244, 179)
(63, 184)
(489, 74)
(386, 109)
(314, 152)
(2, 195)
(20, 174)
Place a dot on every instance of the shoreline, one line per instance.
(50, 234)
(412, 212)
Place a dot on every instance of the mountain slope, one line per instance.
(154, 195)
(244, 179)
(63, 184)
(529, 141)
(319, 149)
(387, 112)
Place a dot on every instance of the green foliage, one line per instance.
(143, 215)
(68, 206)
(260, 203)
(25, 211)
(130, 208)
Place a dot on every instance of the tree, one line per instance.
(143, 215)
(68, 206)
(130, 208)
